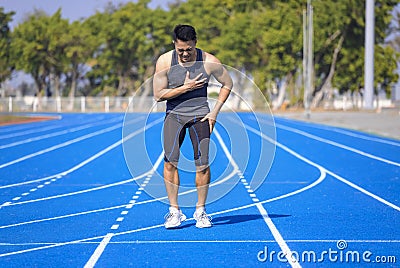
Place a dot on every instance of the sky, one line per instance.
(70, 9)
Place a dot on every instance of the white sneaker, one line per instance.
(202, 219)
(174, 218)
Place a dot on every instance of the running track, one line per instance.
(321, 196)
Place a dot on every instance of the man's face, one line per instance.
(186, 50)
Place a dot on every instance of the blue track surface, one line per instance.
(325, 196)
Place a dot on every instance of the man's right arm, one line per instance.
(160, 82)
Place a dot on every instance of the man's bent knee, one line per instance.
(170, 166)
(203, 169)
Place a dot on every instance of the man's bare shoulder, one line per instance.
(212, 64)
(208, 57)
(164, 61)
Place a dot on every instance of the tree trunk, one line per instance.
(121, 86)
(327, 89)
(57, 85)
(282, 92)
(72, 91)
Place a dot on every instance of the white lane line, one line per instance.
(99, 251)
(323, 169)
(61, 145)
(79, 192)
(67, 143)
(102, 246)
(53, 126)
(50, 246)
(278, 237)
(345, 132)
(90, 159)
(31, 131)
(58, 133)
(27, 193)
(132, 202)
(318, 181)
(58, 176)
(355, 186)
(62, 217)
(86, 240)
(87, 190)
(246, 241)
(336, 144)
(129, 242)
(135, 230)
(129, 206)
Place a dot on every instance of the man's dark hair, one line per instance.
(184, 33)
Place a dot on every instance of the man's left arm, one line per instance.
(222, 76)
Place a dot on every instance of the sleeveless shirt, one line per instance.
(191, 103)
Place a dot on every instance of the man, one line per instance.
(181, 78)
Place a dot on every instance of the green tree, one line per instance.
(38, 48)
(341, 60)
(30, 49)
(82, 45)
(58, 41)
(131, 36)
(385, 74)
(279, 46)
(6, 65)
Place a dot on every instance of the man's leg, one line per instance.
(202, 183)
(171, 179)
(200, 136)
(173, 138)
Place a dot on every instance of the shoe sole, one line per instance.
(182, 219)
(201, 227)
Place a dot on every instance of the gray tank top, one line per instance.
(192, 103)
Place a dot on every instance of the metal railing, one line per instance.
(144, 104)
(79, 104)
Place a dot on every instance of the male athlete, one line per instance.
(181, 78)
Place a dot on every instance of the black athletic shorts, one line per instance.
(175, 127)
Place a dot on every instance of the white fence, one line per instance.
(79, 104)
(100, 104)
(142, 104)
(345, 103)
